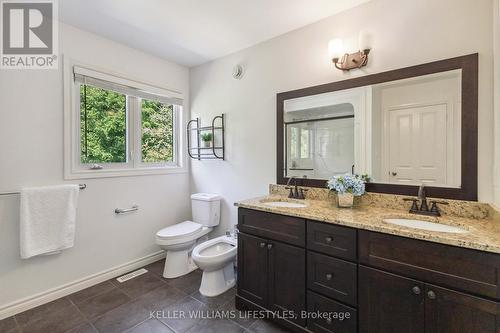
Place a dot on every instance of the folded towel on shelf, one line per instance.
(47, 218)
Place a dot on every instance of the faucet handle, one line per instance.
(414, 206)
(434, 207)
(301, 193)
(440, 202)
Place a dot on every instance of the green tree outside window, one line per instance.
(103, 125)
(103, 128)
(157, 131)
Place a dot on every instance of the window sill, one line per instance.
(102, 173)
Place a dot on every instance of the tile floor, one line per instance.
(111, 307)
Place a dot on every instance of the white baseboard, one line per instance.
(72, 287)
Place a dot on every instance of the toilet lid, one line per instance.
(185, 228)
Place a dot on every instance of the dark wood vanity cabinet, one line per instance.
(332, 277)
(287, 277)
(471, 271)
(384, 283)
(286, 229)
(278, 271)
(332, 240)
(272, 273)
(253, 269)
(321, 304)
(452, 311)
(389, 302)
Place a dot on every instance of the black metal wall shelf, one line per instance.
(206, 153)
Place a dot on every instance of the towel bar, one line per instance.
(82, 187)
(126, 210)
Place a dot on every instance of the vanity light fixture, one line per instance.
(347, 61)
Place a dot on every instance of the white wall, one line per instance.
(31, 150)
(405, 33)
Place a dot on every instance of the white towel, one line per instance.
(48, 217)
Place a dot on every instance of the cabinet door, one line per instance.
(389, 303)
(287, 280)
(252, 268)
(449, 311)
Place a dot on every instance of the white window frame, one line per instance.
(74, 169)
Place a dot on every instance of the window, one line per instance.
(305, 143)
(157, 123)
(103, 125)
(300, 142)
(120, 127)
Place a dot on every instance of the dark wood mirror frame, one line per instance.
(469, 132)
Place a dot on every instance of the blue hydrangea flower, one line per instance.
(348, 183)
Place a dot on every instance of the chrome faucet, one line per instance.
(423, 209)
(290, 179)
(233, 234)
(422, 195)
(295, 191)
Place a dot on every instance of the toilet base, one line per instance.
(178, 263)
(217, 282)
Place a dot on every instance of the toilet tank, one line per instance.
(205, 208)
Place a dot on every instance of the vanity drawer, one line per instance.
(332, 240)
(283, 228)
(450, 266)
(343, 318)
(332, 277)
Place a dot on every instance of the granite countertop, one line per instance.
(483, 234)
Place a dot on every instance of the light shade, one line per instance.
(336, 48)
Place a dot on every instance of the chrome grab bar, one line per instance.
(126, 210)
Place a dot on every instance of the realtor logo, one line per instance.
(29, 34)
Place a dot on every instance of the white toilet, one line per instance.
(216, 258)
(179, 239)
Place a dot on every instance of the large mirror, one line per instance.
(402, 128)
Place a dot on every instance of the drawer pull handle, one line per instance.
(416, 290)
(262, 244)
(269, 246)
(431, 294)
(328, 239)
(329, 321)
(329, 276)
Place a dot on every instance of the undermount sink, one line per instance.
(426, 225)
(284, 204)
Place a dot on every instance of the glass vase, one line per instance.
(345, 200)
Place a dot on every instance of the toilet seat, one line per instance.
(215, 250)
(179, 233)
(177, 230)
